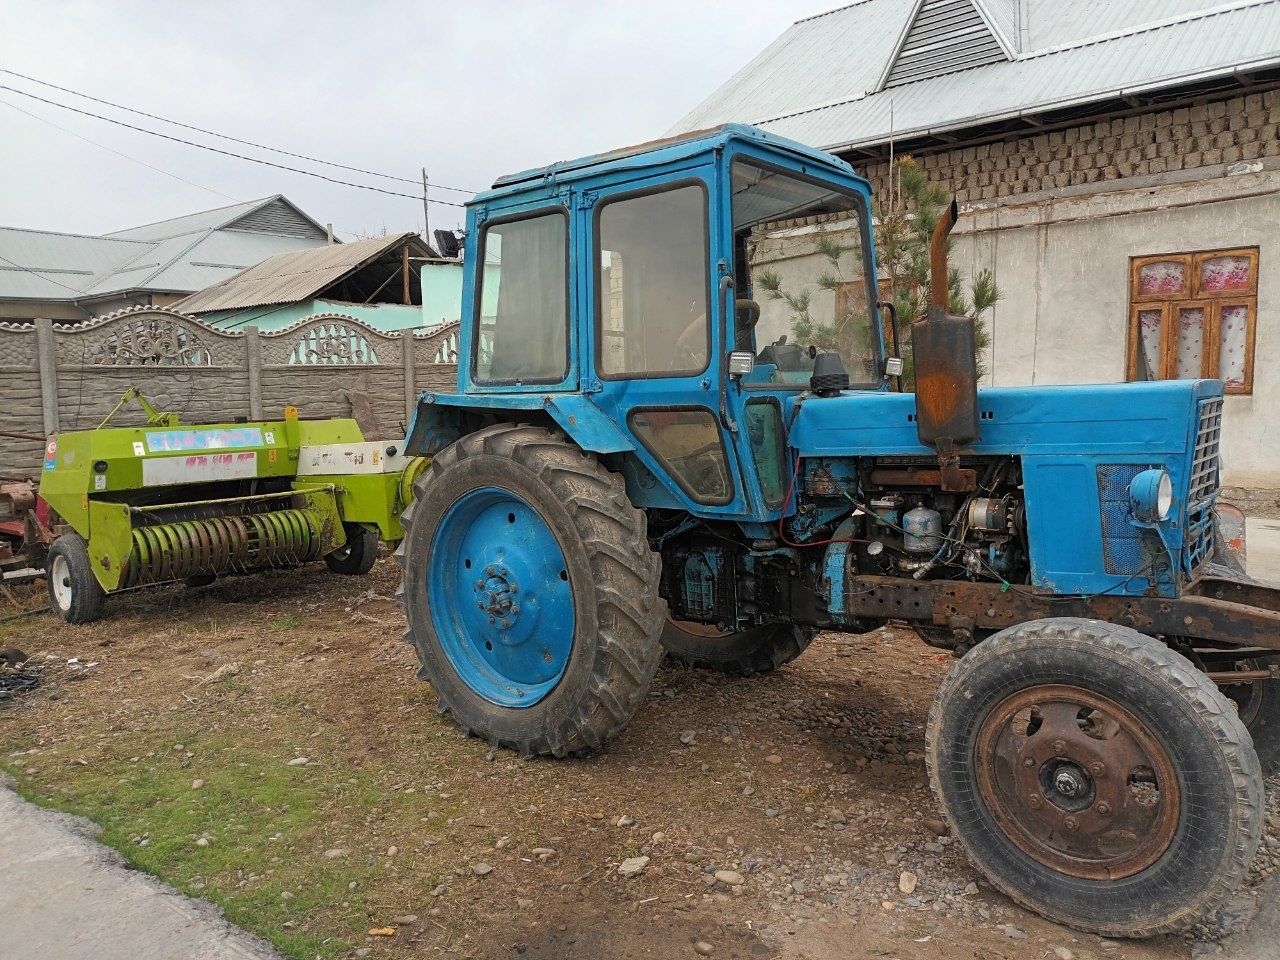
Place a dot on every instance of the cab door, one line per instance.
(657, 328)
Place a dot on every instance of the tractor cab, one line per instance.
(665, 304)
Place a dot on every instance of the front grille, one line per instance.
(1126, 549)
(1199, 542)
(1204, 460)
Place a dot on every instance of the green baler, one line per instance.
(168, 502)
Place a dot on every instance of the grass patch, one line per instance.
(287, 622)
(264, 824)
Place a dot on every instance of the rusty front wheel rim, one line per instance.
(1077, 782)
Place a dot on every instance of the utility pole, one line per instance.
(426, 219)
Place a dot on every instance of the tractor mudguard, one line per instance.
(440, 419)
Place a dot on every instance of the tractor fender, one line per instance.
(441, 419)
(587, 425)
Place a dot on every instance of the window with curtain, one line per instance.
(1192, 315)
(522, 312)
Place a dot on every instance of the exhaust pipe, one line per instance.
(939, 288)
(944, 348)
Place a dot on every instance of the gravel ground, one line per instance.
(782, 816)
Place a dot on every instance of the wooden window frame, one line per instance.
(1191, 296)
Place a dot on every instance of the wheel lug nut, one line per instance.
(1029, 762)
(1060, 747)
(1071, 823)
(1034, 802)
(1104, 808)
(1098, 768)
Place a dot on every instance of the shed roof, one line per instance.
(839, 80)
(296, 276)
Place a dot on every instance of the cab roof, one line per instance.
(664, 149)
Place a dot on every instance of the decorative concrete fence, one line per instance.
(70, 377)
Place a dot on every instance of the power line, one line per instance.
(226, 153)
(223, 136)
(191, 183)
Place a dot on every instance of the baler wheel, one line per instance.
(74, 592)
(1096, 776)
(530, 591)
(743, 654)
(357, 556)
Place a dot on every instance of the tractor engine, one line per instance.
(890, 512)
(914, 528)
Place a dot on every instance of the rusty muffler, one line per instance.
(939, 288)
(946, 367)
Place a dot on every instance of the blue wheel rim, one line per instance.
(499, 597)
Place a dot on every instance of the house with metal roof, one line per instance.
(1117, 166)
(69, 277)
(395, 282)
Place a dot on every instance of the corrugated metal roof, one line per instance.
(268, 215)
(220, 254)
(1134, 47)
(190, 223)
(292, 277)
(60, 261)
(172, 257)
(826, 59)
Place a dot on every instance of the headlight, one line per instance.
(1151, 496)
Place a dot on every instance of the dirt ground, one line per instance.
(264, 743)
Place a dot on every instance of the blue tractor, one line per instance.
(675, 432)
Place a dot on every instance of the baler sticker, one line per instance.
(51, 453)
(199, 468)
(168, 441)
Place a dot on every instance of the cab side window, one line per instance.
(522, 302)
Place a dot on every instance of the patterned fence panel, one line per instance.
(329, 365)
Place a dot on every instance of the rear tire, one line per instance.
(745, 653)
(530, 591)
(1258, 704)
(74, 592)
(357, 556)
(1139, 807)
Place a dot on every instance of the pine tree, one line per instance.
(903, 232)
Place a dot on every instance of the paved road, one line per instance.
(1262, 541)
(64, 896)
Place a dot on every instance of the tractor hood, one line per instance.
(1154, 420)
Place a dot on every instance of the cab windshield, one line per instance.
(801, 274)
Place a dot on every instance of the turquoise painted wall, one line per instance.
(441, 303)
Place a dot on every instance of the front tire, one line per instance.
(530, 591)
(74, 592)
(1096, 776)
(745, 653)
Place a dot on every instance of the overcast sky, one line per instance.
(471, 90)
